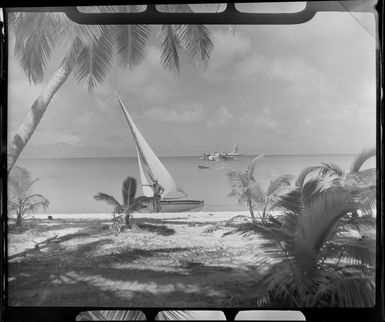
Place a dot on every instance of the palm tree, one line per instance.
(363, 182)
(129, 203)
(20, 196)
(244, 186)
(312, 261)
(90, 50)
(269, 198)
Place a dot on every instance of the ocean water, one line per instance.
(70, 184)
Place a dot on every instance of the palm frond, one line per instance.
(12, 204)
(95, 60)
(361, 252)
(36, 36)
(170, 46)
(361, 158)
(36, 198)
(329, 168)
(320, 217)
(18, 180)
(107, 198)
(280, 284)
(368, 199)
(128, 190)
(291, 202)
(358, 223)
(251, 168)
(35, 206)
(237, 179)
(72, 55)
(311, 189)
(366, 177)
(130, 43)
(255, 192)
(276, 185)
(28, 188)
(304, 173)
(350, 291)
(88, 34)
(196, 43)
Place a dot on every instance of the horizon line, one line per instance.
(184, 156)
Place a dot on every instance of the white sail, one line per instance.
(154, 167)
(146, 189)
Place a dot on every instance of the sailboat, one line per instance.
(151, 169)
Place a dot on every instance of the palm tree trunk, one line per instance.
(35, 114)
(19, 217)
(127, 219)
(251, 209)
(264, 213)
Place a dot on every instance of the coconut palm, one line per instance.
(128, 205)
(269, 198)
(244, 187)
(363, 182)
(89, 52)
(312, 259)
(21, 200)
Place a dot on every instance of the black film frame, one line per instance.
(229, 16)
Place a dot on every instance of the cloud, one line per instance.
(263, 120)
(252, 65)
(180, 115)
(299, 77)
(221, 117)
(228, 47)
(72, 139)
(87, 119)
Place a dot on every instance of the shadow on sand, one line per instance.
(90, 274)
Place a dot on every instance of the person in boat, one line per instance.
(158, 190)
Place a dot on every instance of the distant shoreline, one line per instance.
(192, 156)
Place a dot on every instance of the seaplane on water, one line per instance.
(223, 156)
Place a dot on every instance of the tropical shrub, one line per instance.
(21, 200)
(315, 255)
(243, 186)
(247, 190)
(361, 182)
(122, 211)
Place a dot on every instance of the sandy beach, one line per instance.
(167, 260)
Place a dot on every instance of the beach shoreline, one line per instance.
(189, 259)
(210, 216)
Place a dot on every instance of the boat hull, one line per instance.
(175, 205)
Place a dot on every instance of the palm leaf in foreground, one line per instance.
(361, 159)
(131, 41)
(95, 60)
(107, 198)
(170, 46)
(308, 260)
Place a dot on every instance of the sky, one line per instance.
(298, 89)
